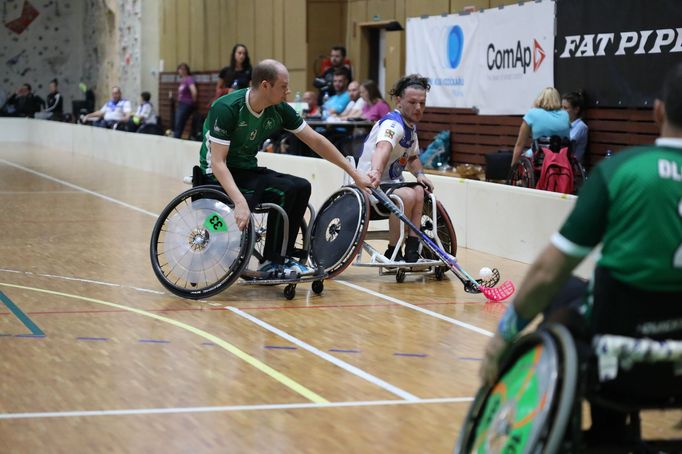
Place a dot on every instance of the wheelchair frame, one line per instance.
(527, 171)
(196, 235)
(491, 425)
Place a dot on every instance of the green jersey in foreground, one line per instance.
(633, 204)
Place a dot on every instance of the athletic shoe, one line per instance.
(389, 253)
(269, 267)
(412, 250)
(294, 265)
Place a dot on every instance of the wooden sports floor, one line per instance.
(97, 357)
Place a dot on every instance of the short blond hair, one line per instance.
(548, 99)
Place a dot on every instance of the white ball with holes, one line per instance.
(485, 273)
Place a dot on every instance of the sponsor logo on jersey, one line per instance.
(242, 124)
(217, 128)
(389, 133)
(269, 123)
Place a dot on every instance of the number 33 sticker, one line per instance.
(215, 223)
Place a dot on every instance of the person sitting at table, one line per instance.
(313, 109)
(337, 103)
(375, 106)
(354, 107)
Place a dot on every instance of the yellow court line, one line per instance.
(283, 379)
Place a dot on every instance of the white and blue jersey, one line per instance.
(391, 128)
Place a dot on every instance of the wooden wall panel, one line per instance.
(264, 19)
(278, 29)
(246, 27)
(168, 42)
(431, 8)
(228, 30)
(212, 36)
(357, 13)
(182, 32)
(457, 6)
(496, 3)
(197, 34)
(295, 45)
(326, 26)
(381, 9)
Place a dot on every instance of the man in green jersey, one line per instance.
(236, 125)
(632, 204)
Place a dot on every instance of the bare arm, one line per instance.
(222, 173)
(415, 166)
(193, 89)
(521, 140)
(323, 147)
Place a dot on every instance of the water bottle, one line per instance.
(297, 98)
(325, 98)
(609, 153)
(235, 85)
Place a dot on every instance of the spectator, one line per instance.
(313, 109)
(546, 118)
(144, 115)
(354, 107)
(392, 146)
(55, 102)
(23, 103)
(375, 106)
(187, 99)
(337, 103)
(237, 75)
(116, 110)
(574, 104)
(337, 60)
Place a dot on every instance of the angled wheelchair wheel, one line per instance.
(528, 409)
(579, 175)
(338, 230)
(196, 248)
(442, 227)
(522, 174)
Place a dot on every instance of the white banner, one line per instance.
(495, 60)
(441, 48)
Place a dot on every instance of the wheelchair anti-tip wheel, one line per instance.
(528, 409)
(196, 248)
(339, 230)
(442, 228)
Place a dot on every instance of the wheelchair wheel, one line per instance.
(528, 409)
(522, 174)
(579, 175)
(339, 229)
(442, 228)
(196, 248)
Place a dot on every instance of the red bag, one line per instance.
(556, 174)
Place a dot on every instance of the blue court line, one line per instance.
(418, 355)
(154, 341)
(340, 350)
(18, 313)
(279, 347)
(92, 338)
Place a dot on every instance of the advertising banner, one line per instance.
(617, 52)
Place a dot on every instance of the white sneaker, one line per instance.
(300, 268)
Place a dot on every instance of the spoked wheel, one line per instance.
(196, 248)
(522, 174)
(442, 228)
(339, 229)
(528, 409)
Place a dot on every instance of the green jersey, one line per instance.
(232, 122)
(632, 203)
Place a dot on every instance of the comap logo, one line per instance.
(455, 45)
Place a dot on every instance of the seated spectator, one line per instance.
(337, 103)
(546, 118)
(55, 103)
(313, 109)
(325, 81)
(144, 115)
(574, 104)
(116, 110)
(23, 103)
(237, 75)
(375, 106)
(354, 107)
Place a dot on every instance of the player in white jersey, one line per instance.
(390, 148)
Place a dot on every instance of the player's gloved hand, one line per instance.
(491, 359)
(242, 214)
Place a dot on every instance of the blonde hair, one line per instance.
(548, 99)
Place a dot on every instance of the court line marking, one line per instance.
(23, 318)
(357, 287)
(80, 188)
(445, 318)
(272, 373)
(230, 408)
(326, 356)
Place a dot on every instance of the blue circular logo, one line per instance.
(455, 46)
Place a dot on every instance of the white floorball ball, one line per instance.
(485, 273)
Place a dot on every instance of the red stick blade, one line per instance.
(500, 293)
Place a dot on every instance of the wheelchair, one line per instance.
(197, 250)
(340, 234)
(536, 403)
(527, 171)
